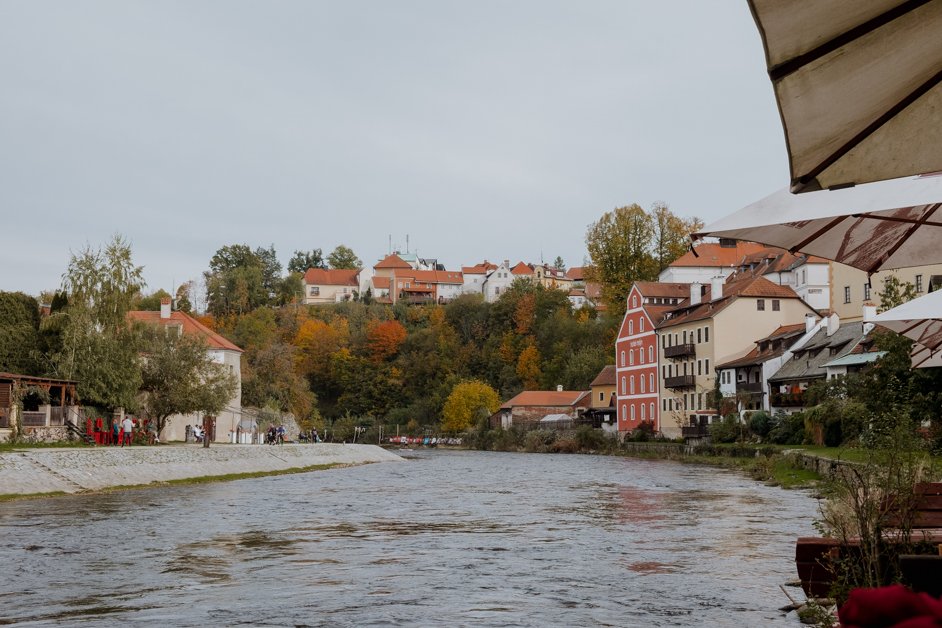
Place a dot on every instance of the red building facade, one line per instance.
(637, 356)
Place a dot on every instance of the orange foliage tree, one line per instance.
(385, 339)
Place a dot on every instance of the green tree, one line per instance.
(179, 377)
(619, 246)
(239, 280)
(896, 292)
(184, 303)
(467, 402)
(559, 264)
(302, 260)
(151, 303)
(343, 257)
(19, 333)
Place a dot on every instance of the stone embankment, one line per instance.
(37, 471)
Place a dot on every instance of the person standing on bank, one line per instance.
(127, 426)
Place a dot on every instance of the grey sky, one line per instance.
(484, 129)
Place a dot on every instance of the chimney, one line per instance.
(559, 388)
(716, 288)
(695, 293)
(869, 311)
(834, 323)
(165, 307)
(810, 320)
(507, 263)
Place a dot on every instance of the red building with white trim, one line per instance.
(636, 353)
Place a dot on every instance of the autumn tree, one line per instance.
(468, 402)
(385, 339)
(344, 258)
(316, 341)
(671, 234)
(179, 377)
(302, 260)
(528, 367)
(619, 246)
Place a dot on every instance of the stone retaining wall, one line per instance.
(31, 471)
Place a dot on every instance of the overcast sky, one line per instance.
(482, 129)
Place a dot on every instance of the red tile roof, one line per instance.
(381, 282)
(712, 254)
(392, 261)
(546, 398)
(663, 289)
(521, 269)
(321, 277)
(479, 269)
(759, 287)
(190, 326)
(576, 273)
(606, 376)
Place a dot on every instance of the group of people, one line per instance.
(310, 437)
(275, 435)
(122, 431)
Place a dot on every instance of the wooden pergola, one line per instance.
(62, 391)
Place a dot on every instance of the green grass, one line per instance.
(11, 497)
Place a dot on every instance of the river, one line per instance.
(448, 538)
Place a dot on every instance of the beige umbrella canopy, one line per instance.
(859, 87)
(921, 320)
(873, 227)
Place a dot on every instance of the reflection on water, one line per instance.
(463, 538)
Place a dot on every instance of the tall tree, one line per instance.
(239, 279)
(96, 345)
(619, 246)
(343, 257)
(671, 234)
(302, 260)
(559, 264)
(179, 377)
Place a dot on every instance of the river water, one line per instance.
(448, 538)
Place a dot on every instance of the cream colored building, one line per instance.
(850, 288)
(330, 286)
(717, 324)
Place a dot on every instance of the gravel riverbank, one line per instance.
(37, 471)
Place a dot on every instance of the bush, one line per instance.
(726, 431)
(788, 429)
(538, 441)
(508, 440)
(760, 424)
(589, 439)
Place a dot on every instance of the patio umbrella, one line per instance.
(921, 320)
(858, 85)
(873, 227)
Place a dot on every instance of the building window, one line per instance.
(706, 334)
(699, 335)
(867, 291)
(699, 367)
(641, 324)
(315, 291)
(651, 382)
(623, 358)
(640, 356)
(650, 353)
(631, 328)
(699, 401)
(651, 416)
(664, 405)
(642, 412)
(642, 384)
(631, 385)
(685, 337)
(624, 385)
(624, 412)
(706, 366)
(760, 305)
(663, 342)
(670, 405)
(776, 305)
(918, 283)
(631, 358)
(602, 395)
(634, 302)
(846, 294)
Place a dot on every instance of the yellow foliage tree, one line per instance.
(467, 401)
(528, 367)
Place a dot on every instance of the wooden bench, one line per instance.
(815, 556)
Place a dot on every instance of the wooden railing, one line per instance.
(680, 381)
(33, 419)
(680, 351)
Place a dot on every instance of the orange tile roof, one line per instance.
(438, 276)
(546, 398)
(663, 289)
(479, 269)
(521, 269)
(576, 273)
(392, 261)
(381, 282)
(712, 254)
(190, 326)
(333, 277)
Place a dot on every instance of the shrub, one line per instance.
(538, 441)
(589, 439)
(788, 429)
(760, 423)
(726, 431)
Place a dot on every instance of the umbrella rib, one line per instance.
(794, 64)
(912, 221)
(903, 238)
(869, 130)
(817, 234)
